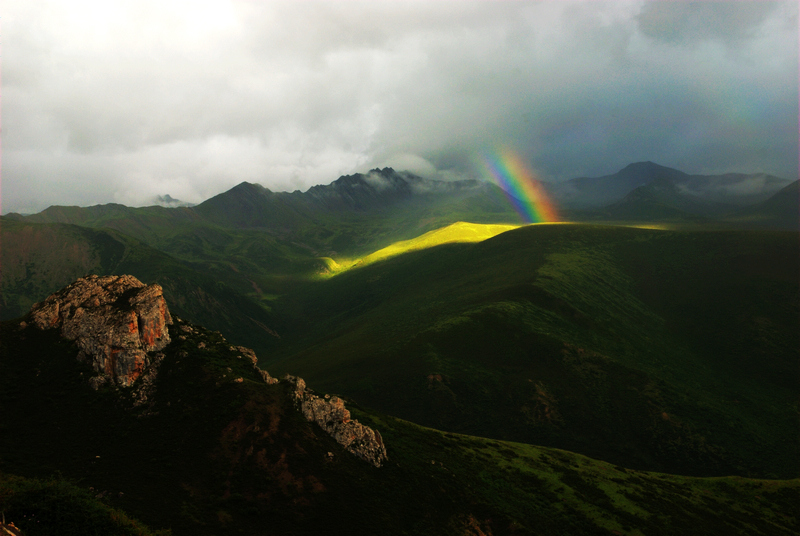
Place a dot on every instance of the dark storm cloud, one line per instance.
(124, 101)
(684, 22)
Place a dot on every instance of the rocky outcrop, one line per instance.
(116, 321)
(331, 415)
(251, 355)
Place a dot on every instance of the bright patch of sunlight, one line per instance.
(656, 226)
(456, 232)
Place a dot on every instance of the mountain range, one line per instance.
(733, 189)
(642, 191)
(631, 370)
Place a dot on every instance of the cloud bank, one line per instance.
(123, 101)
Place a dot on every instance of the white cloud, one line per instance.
(126, 100)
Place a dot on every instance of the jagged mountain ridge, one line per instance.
(360, 195)
(252, 205)
(354, 214)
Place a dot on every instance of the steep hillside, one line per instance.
(213, 448)
(33, 506)
(38, 259)
(660, 350)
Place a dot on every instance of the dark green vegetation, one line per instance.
(214, 456)
(38, 507)
(674, 351)
(672, 348)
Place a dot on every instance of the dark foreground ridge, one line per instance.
(204, 442)
(120, 325)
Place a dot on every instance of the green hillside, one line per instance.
(38, 259)
(212, 455)
(663, 350)
(260, 242)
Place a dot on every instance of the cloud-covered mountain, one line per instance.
(662, 200)
(736, 189)
(170, 202)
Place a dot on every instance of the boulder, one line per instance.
(116, 322)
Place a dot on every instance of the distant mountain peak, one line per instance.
(648, 171)
(249, 187)
(384, 171)
(647, 164)
(170, 202)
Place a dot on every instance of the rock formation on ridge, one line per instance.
(251, 355)
(331, 415)
(116, 321)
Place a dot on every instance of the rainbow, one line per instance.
(526, 194)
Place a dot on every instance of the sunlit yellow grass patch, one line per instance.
(456, 232)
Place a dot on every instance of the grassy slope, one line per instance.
(667, 350)
(226, 457)
(38, 259)
(278, 235)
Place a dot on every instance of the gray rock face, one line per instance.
(331, 415)
(116, 321)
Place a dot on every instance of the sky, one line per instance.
(117, 101)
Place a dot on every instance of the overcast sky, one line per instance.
(115, 101)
